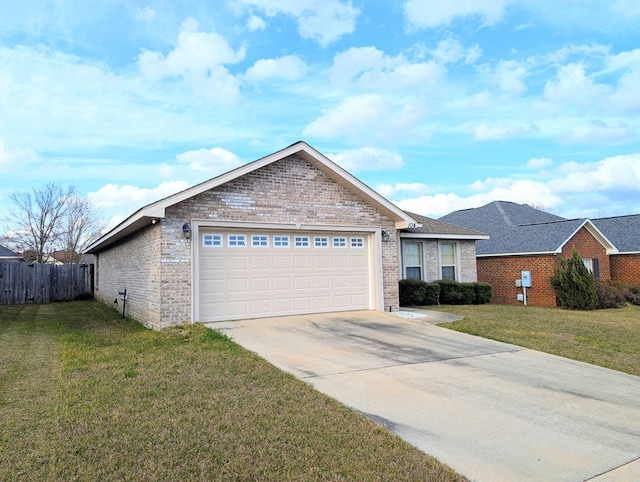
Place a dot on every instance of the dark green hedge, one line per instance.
(444, 292)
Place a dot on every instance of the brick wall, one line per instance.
(589, 247)
(288, 191)
(133, 264)
(625, 268)
(503, 271)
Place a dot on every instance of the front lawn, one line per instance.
(609, 338)
(87, 395)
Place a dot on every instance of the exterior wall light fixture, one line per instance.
(186, 230)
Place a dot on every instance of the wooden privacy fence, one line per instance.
(43, 283)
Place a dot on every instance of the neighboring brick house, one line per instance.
(526, 239)
(290, 233)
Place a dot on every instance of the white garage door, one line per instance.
(253, 274)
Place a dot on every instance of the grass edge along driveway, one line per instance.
(609, 338)
(87, 395)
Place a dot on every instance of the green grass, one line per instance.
(87, 395)
(609, 338)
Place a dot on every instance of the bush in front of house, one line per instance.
(451, 292)
(610, 295)
(483, 292)
(574, 285)
(632, 293)
(432, 295)
(412, 292)
(415, 292)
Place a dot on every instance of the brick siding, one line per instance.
(501, 272)
(158, 267)
(625, 268)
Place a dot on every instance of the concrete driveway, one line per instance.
(492, 411)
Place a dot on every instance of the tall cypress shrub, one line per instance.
(574, 285)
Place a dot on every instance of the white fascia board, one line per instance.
(443, 236)
(401, 218)
(533, 253)
(157, 209)
(602, 239)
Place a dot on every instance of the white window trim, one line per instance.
(302, 238)
(340, 240)
(321, 239)
(359, 242)
(212, 236)
(278, 239)
(422, 265)
(259, 239)
(235, 243)
(456, 259)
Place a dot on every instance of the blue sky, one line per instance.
(437, 105)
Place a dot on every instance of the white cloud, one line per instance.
(14, 159)
(367, 158)
(256, 23)
(212, 161)
(198, 57)
(126, 196)
(324, 21)
(509, 76)
(411, 188)
(492, 132)
(572, 88)
(289, 67)
(618, 173)
(538, 163)
(369, 118)
(451, 51)
(628, 8)
(145, 14)
(370, 68)
(431, 14)
(599, 132)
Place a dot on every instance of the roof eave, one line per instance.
(157, 209)
(443, 236)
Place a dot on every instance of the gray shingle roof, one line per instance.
(622, 231)
(436, 227)
(7, 253)
(515, 228)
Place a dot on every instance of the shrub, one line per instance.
(456, 293)
(432, 295)
(483, 292)
(632, 294)
(450, 293)
(574, 285)
(412, 292)
(610, 295)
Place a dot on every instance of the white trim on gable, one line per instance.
(596, 233)
(155, 212)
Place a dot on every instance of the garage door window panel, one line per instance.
(339, 242)
(321, 242)
(237, 240)
(281, 241)
(260, 241)
(212, 240)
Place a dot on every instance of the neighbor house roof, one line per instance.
(520, 229)
(156, 210)
(433, 228)
(7, 254)
(622, 231)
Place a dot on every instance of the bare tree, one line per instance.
(80, 226)
(52, 218)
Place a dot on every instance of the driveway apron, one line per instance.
(490, 410)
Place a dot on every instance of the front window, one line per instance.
(592, 266)
(412, 259)
(448, 261)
